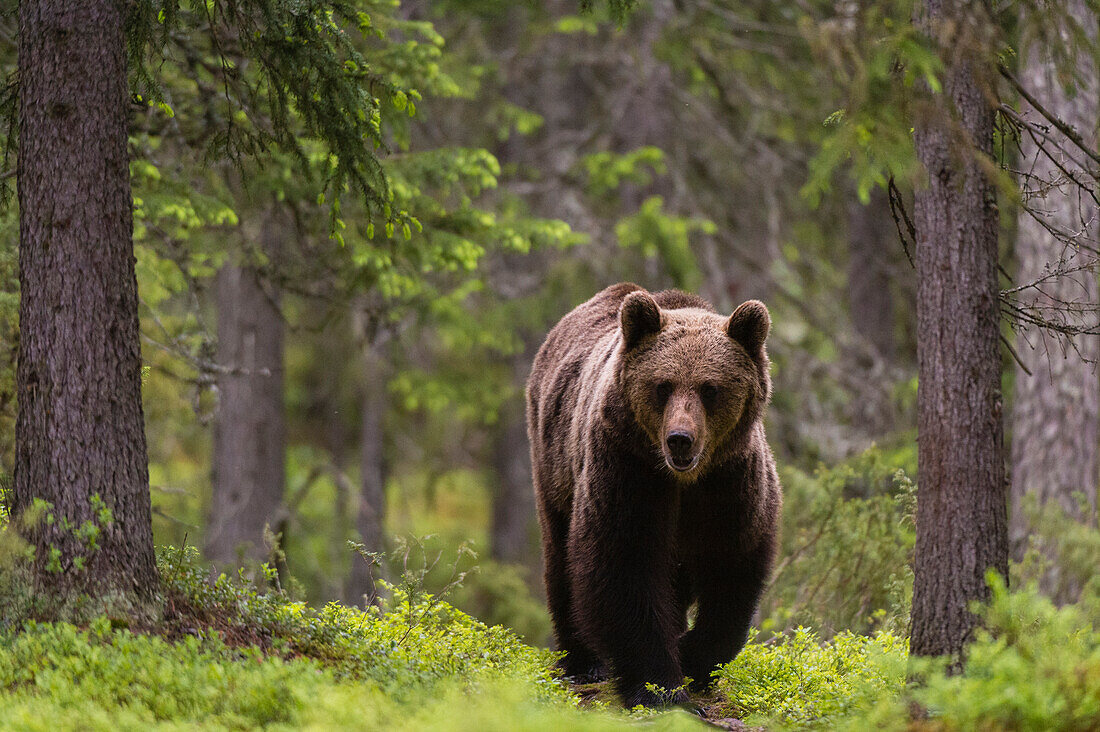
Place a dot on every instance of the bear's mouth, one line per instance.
(681, 464)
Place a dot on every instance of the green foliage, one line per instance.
(606, 172)
(104, 679)
(847, 540)
(500, 594)
(875, 60)
(1031, 666)
(423, 277)
(280, 68)
(430, 267)
(1062, 550)
(412, 643)
(799, 682)
(655, 233)
(91, 678)
(231, 657)
(493, 592)
(5, 499)
(620, 9)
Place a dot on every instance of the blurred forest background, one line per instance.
(314, 381)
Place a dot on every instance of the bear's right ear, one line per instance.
(639, 316)
(749, 325)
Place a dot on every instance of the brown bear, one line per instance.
(655, 486)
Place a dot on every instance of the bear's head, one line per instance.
(696, 381)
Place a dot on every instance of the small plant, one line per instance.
(848, 537)
(5, 499)
(412, 641)
(1032, 666)
(417, 561)
(796, 681)
(1063, 551)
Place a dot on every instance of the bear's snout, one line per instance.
(679, 450)
(683, 431)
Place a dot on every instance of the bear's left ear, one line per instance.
(749, 325)
(639, 316)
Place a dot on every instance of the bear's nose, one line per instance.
(679, 442)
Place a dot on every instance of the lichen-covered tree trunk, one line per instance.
(371, 513)
(961, 504)
(249, 469)
(1056, 412)
(80, 430)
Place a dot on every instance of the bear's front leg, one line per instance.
(621, 567)
(729, 590)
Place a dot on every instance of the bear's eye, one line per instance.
(664, 391)
(708, 393)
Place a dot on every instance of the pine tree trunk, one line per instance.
(513, 499)
(249, 470)
(80, 430)
(870, 302)
(961, 513)
(371, 514)
(1056, 412)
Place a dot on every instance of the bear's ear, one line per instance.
(640, 316)
(749, 325)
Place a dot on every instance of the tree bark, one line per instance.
(513, 500)
(961, 512)
(249, 469)
(871, 304)
(1056, 411)
(80, 429)
(371, 514)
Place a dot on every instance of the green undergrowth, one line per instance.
(1032, 666)
(228, 656)
(797, 681)
(412, 643)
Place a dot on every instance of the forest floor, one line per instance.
(230, 656)
(712, 709)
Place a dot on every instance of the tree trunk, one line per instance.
(371, 514)
(1056, 412)
(870, 234)
(513, 499)
(249, 470)
(80, 429)
(961, 511)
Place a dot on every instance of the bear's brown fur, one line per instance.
(655, 485)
